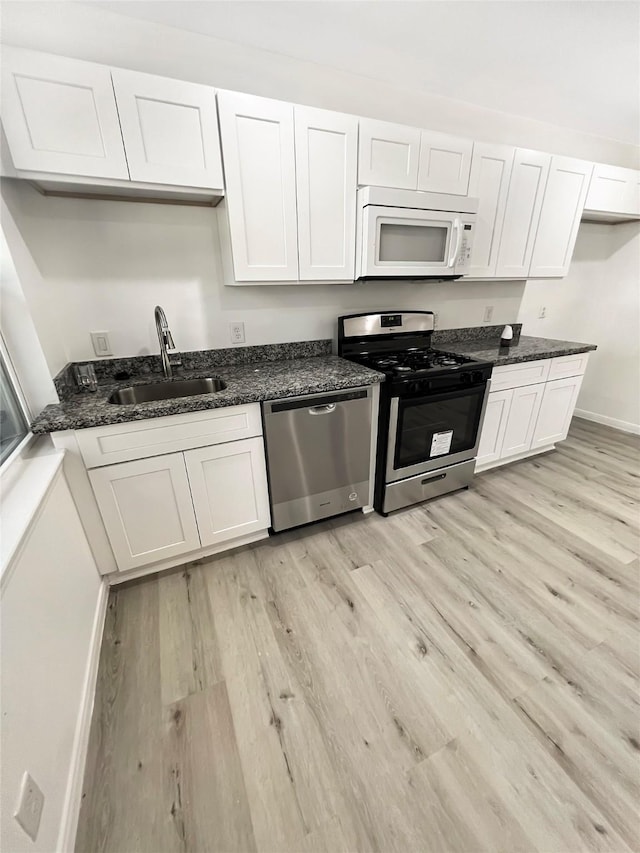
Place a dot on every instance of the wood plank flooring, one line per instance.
(461, 676)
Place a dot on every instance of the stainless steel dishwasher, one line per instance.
(318, 455)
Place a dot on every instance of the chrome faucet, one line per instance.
(169, 360)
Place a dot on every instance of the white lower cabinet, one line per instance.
(494, 426)
(229, 490)
(557, 408)
(146, 508)
(166, 506)
(531, 415)
(523, 413)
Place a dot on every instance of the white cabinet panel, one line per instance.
(229, 488)
(517, 375)
(562, 208)
(326, 180)
(146, 508)
(445, 163)
(259, 160)
(105, 445)
(523, 414)
(170, 130)
(489, 182)
(568, 365)
(524, 203)
(614, 190)
(494, 426)
(60, 115)
(558, 404)
(388, 154)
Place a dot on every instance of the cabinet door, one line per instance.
(170, 130)
(491, 167)
(445, 163)
(523, 414)
(229, 489)
(522, 213)
(146, 508)
(558, 404)
(494, 426)
(562, 208)
(60, 115)
(614, 190)
(260, 171)
(388, 154)
(326, 180)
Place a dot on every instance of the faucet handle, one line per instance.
(168, 337)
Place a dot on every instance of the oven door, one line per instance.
(400, 242)
(433, 431)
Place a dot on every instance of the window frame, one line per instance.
(22, 403)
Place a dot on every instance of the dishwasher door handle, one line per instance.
(322, 410)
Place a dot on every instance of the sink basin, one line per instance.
(168, 390)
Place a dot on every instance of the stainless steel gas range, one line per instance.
(431, 406)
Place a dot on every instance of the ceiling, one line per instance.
(572, 63)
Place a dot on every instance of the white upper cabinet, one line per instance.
(522, 213)
(615, 191)
(445, 163)
(326, 179)
(170, 130)
(489, 182)
(388, 154)
(60, 115)
(259, 161)
(562, 208)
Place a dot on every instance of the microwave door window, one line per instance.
(433, 427)
(403, 243)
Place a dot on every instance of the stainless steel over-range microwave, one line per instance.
(412, 234)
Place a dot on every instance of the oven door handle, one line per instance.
(458, 232)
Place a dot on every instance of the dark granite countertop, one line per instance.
(246, 383)
(526, 348)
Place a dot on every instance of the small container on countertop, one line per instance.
(507, 337)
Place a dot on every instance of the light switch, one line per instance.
(101, 344)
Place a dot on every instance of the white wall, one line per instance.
(104, 265)
(598, 302)
(88, 32)
(50, 594)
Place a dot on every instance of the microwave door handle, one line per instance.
(458, 231)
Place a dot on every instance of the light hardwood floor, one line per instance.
(462, 676)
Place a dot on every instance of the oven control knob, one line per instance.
(466, 378)
(477, 376)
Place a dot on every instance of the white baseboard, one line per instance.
(71, 808)
(614, 423)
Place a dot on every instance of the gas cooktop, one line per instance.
(413, 362)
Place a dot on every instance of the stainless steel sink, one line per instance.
(166, 390)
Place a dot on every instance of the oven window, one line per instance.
(434, 427)
(413, 244)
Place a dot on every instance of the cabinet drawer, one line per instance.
(140, 439)
(518, 375)
(568, 365)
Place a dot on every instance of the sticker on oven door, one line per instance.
(441, 443)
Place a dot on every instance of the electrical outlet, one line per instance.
(488, 314)
(237, 333)
(543, 312)
(101, 344)
(29, 809)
